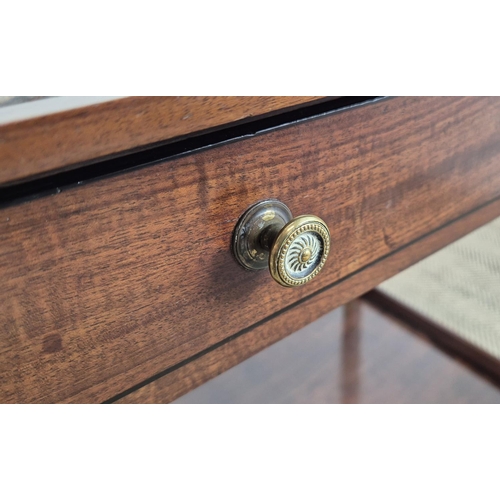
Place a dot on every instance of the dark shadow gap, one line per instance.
(72, 177)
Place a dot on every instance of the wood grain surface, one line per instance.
(113, 282)
(378, 360)
(48, 143)
(189, 375)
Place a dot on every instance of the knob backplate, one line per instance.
(255, 231)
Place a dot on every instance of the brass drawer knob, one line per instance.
(294, 249)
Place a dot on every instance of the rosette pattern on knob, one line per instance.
(303, 253)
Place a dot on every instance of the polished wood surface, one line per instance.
(40, 145)
(188, 375)
(114, 282)
(372, 360)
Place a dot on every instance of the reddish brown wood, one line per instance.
(39, 145)
(351, 351)
(189, 376)
(113, 282)
(388, 363)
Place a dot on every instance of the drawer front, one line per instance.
(107, 284)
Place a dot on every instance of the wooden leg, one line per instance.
(350, 352)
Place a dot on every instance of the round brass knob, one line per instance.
(294, 249)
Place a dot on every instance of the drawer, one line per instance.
(107, 284)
